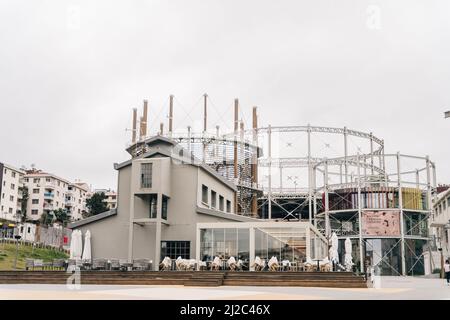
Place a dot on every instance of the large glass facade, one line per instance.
(414, 260)
(286, 243)
(224, 242)
(385, 254)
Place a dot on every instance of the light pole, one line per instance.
(447, 114)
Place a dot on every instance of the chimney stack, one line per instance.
(133, 139)
(171, 115)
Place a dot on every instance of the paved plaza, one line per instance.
(389, 288)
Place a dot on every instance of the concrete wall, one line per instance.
(109, 237)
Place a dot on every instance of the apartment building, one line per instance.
(439, 221)
(75, 203)
(111, 197)
(10, 192)
(46, 192)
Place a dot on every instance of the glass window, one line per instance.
(228, 206)
(35, 201)
(164, 208)
(213, 199)
(146, 175)
(175, 249)
(385, 254)
(35, 190)
(204, 194)
(153, 206)
(221, 203)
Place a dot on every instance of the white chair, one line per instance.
(232, 264)
(325, 265)
(202, 265)
(258, 264)
(165, 264)
(273, 264)
(286, 264)
(215, 265)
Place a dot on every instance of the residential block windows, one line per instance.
(204, 194)
(34, 212)
(35, 191)
(175, 249)
(35, 201)
(13, 186)
(213, 199)
(146, 175)
(228, 206)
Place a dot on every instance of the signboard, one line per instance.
(381, 223)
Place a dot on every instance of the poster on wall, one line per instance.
(381, 223)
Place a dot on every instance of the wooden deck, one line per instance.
(191, 278)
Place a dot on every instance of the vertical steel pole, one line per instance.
(327, 204)
(361, 242)
(270, 171)
(371, 153)
(345, 154)
(170, 115)
(309, 177)
(400, 204)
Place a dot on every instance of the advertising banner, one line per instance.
(381, 223)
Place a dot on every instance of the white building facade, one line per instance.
(75, 201)
(440, 222)
(10, 192)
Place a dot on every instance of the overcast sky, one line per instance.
(70, 72)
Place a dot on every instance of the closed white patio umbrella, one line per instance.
(78, 245)
(334, 255)
(87, 256)
(73, 242)
(348, 260)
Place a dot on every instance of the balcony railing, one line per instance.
(49, 195)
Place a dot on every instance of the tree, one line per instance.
(23, 204)
(61, 216)
(46, 219)
(96, 204)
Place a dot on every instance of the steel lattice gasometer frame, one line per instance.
(405, 189)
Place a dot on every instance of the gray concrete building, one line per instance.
(162, 195)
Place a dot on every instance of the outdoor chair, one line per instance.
(258, 264)
(273, 264)
(39, 263)
(58, 264)
(202, 266)
(325, 265)
(87, 264)
(166, 264)
(124, 264)
(191, 264)
(99, 264)
(141, 264)
(114, 264)
(232, 264)
(215, 265)
(29, 263)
